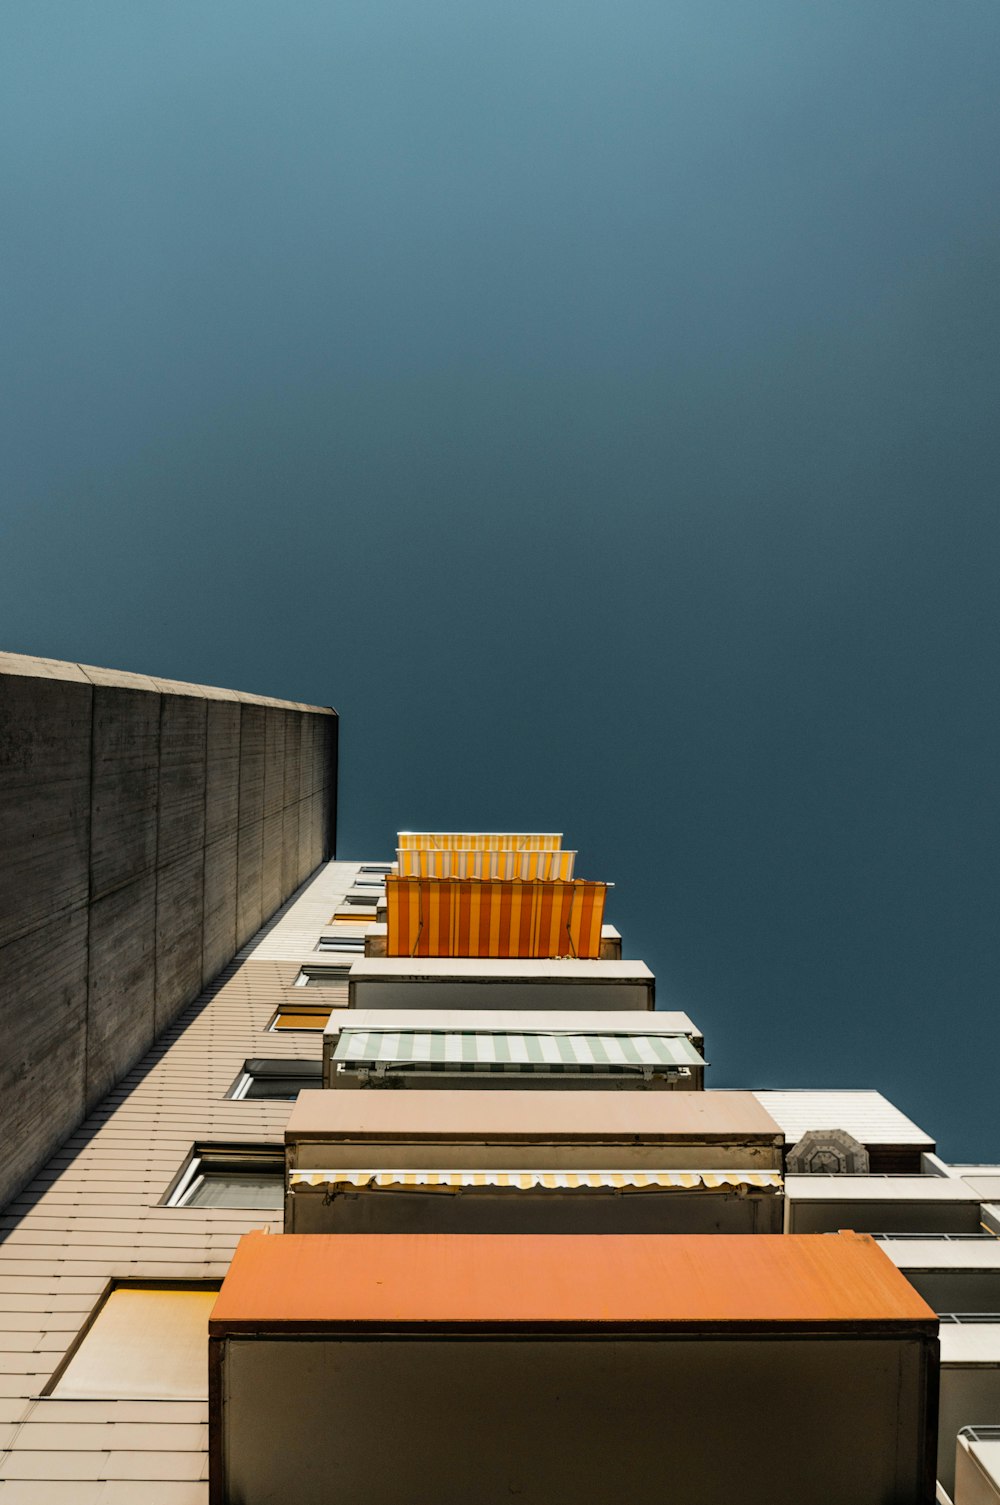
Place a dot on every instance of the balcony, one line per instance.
(880, 1204)
(522, 1162)
(977, 1466)
(565, 1369)
(501, 1048)
(448, 982)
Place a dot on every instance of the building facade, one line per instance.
(422, 1197)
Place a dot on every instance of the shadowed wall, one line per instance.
(147, 830)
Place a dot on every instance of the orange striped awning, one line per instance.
(479, 841)
(455, 863)
(494, 917)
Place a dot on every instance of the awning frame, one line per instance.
(479, 841)
(455, 1182)
(378, 1074)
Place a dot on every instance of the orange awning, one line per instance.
(831, 1281)
(494, 917)
(480, 841)
(477, 863)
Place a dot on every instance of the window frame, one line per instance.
(257, 1068)
(208, 1159)
(137, 1281)
(319, 1011)
(313, 974)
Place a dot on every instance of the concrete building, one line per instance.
(147, 830)
(560, 1290)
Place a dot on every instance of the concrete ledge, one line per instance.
(54, 668)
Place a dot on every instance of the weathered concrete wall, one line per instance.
(147, 830)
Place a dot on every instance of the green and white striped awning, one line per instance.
(540, 1180)
(507, 1051)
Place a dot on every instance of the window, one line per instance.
(323, 977)
(376, 867)
(367, 901)
(312, 1016)
(144, 1342)
(279, 1080)
(219, 1175)
(376, 883)
(342, 943)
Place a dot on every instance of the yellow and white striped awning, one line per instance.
(539, 1180)
(433, 862)
(489, 917)
(479, 841)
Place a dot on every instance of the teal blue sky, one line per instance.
(598, 404)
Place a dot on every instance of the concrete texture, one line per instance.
(147, 830)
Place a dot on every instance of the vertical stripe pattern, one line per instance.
(505, 1050)
(432, 862)
(479, 841)
(493, 917)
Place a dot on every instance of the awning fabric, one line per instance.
(434, 863)
(503, 1051)
(302, 1018)
(542, 1180)
(480, 841)
(490, 917)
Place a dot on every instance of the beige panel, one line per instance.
(515, 1115)
(145, 1343)
(970, 1397)
(977, 1473)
